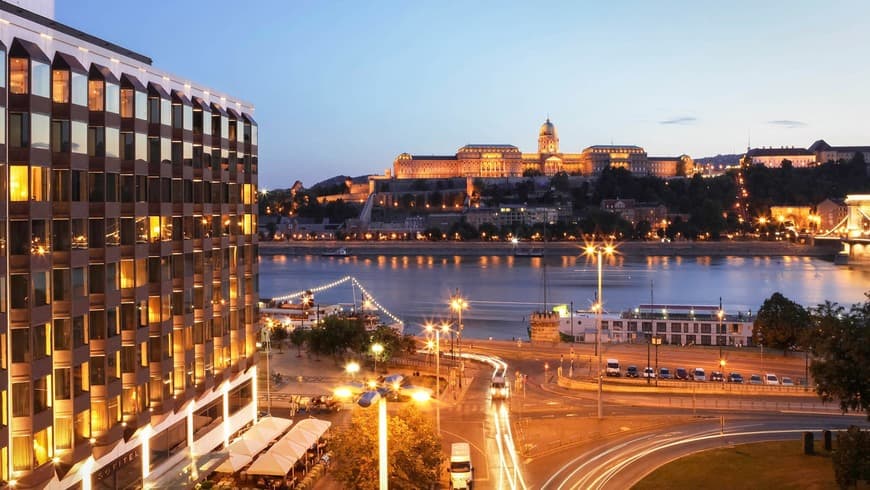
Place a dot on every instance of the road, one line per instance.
(621, 462)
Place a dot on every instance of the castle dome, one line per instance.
(548, 129)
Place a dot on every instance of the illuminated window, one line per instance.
(18, 183)
(18, 76)
(96, 95)
(127, 98)
(60, 86)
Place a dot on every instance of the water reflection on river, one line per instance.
(503, 290)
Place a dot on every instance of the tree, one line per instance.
(415, 458)
(851, 459)
(298, 337)
(780, 322)
(842, 354)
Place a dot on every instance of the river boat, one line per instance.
(341, 252)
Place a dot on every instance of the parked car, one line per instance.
(681, 373)
(612, 368)
(771, 379)
(735, 378)
(755, 379)
(717, 376)
(631, 372)
(698, 374)
(649, 372)
(786, 381)
(664, 373)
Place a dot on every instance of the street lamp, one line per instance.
(366, 400)
(656, 340)
(377, 349)
(431, 328)
(458, 303)
(352, 368)
(599, 250)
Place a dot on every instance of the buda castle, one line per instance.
(494, 161)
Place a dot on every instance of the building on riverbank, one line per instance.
(128, 270)
(674, 324)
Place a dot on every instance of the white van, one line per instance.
(612, 368)
(461, 470)
(698, 374)
(771, 379)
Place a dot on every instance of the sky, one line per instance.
(343, 87)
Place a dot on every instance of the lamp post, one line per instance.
(599, 250)
(377, 349)
(656, 340)
(366, 400)
(266, 344)
(431, 328)
(458, 303)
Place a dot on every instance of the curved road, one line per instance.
(620, 463)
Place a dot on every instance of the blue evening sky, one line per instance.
(344, 87)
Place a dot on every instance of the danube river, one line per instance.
(503, 290)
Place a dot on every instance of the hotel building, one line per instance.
(128, 262)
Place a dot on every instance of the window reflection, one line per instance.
(79, 89)
(112, 98)
(41, 83)
(40, 128)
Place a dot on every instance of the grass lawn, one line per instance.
(765, 465)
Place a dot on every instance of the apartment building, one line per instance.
(128, 271)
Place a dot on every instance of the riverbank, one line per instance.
(550, 249)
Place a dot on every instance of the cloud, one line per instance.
(788, 123)
(680, 120)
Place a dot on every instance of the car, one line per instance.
(735, 378)
(786, 381)
(698, 374)
(681, 373)
(771, 379)
(717, 376)
(664, 373)
(649, 372)
(631, 372)
(755, 379)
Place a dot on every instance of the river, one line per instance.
(503, 290)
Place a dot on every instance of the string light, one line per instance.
(366, 295)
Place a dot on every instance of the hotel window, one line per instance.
(60, 85)
(79, 137)
(40, 395)
(19, 286)
(81, 379)
(80, 331)
(98, 370)
(154, 110)
(96, 95)
(41, 342)
(127, 98)
(60, 136)
(20, 338)
(18, 76)
(62, 386)
(40, 288)
(97, 278)
(40, 131)
(41, 82)
(127, 147)
(96, 141)
(141, 106)
(21, 400)
(165, 112)
(19, 130)
(62, 334)
(112, 141)
(113, 98)
(113, 232)
(79, 234)
(60, 284)
(79, 89)
(63, 431)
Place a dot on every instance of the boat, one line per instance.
(529, 252)
(341, 252)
